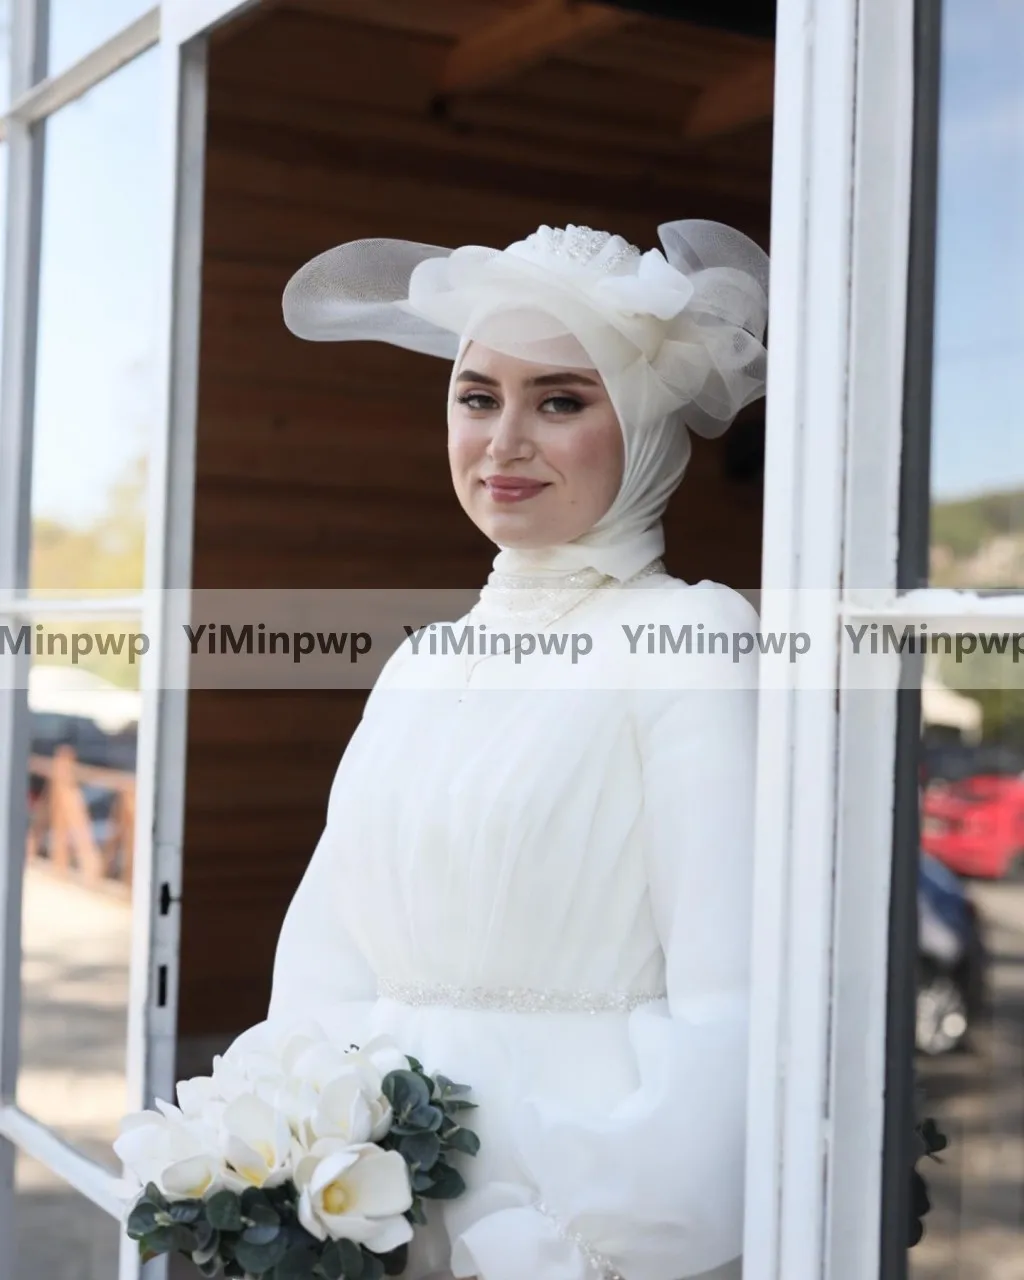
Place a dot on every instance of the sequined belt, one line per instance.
(514, 999)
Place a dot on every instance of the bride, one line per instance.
(536, 875)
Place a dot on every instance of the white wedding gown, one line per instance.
(545, 894)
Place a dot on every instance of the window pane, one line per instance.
(76, 910)
(970, 1023)
(60, 1234)
(5, 53)
(977, 478)
(76, 28)
(95, 404)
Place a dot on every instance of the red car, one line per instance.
(975, 825)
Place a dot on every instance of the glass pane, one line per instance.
(59, 1234)
(95, 402)
(970, 1013)
(76, 28)
(76, 911)
(977, 480)
(5, 53)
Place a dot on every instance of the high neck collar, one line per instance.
(619, 560)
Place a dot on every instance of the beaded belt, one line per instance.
(514, 999)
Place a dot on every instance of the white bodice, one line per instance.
(507, 835)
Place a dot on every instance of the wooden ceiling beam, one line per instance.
(522, 38)
(740, 98)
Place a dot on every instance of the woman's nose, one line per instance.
(510, 439)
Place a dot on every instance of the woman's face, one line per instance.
(536, 450)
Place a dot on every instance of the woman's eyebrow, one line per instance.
(542, 380)
(560, 379)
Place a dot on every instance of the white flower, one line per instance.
(656, 289)
(257, 1143)
(165, 1147)
(346, 1110)
(350, 1103)
(384, 1054)
(357, 1193)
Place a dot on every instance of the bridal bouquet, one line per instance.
(305, 1163)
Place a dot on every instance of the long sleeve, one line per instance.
(653, 1190)
(317, 966)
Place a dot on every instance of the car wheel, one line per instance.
(942, 1022)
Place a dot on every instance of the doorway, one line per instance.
(323, 465)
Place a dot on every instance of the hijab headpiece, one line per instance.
(676, 335)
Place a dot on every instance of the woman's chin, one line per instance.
(522, 534)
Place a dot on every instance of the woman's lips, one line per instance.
(513, 488)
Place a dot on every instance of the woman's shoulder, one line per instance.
(680, 636)
(713, 604)
(402, 670)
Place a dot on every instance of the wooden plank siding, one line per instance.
(323, 465)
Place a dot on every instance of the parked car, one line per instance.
(975, 824)
(951, 961)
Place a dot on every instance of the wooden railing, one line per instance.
(61, 831)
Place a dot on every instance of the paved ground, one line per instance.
(976, 1228)
(77, 944)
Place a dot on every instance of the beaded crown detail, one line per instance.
(583, 245)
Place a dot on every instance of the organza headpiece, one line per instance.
(679, 330)
(676, 337)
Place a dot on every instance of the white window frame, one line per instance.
(151, 1040)
(841, 216)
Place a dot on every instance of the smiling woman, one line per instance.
(547, 887)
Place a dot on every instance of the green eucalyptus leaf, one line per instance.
(255, 1201)
(224, 1211)
(449, 1089)
(447, 1185)
(373, 1267)
(155, 1195)
(464, 1140)
(258, 1259)
(458, 1104)
(429, 1117)
(405, 1091)
(296, 1264)
(212, 1267)
(421, 1180)
(352, 1259)
(422, 1149)
(185, 1239)
(206, 1235)
(203, 1253)
(261, 1233)
(185, 1210)
(161, 1240)
(396, 1261)
(415, 1064)
(331, 1266)
(416, 1213)
(142, 1219)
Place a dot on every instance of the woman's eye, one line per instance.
(563, 404)
(477, 400)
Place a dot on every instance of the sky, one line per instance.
(978, 405)
(97, 315)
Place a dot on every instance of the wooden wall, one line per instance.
(323, 465)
